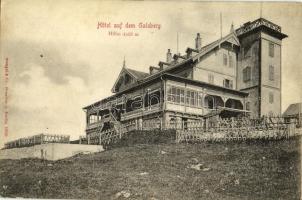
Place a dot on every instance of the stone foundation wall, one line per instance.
(51, 151)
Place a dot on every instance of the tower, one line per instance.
(259, 66)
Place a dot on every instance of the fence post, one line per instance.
(136, 124)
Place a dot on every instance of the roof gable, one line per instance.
(231, 38)
(197, 54)
(127, 77)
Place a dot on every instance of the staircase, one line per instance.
(115, 132)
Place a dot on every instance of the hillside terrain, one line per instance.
(249, 170)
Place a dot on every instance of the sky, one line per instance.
(59, 61)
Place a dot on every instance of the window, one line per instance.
(271, 97)
(227, 83)
(93, 118)
(230, 61)
(193, 98)
(247, 74)
(134, 103)
(271, 49)
(225, 59)
(152, 98)
(180, 96)
(247, 106)
(211, 78)
(176, 95)
(271, 73)
(200, 99)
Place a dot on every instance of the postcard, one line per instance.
(150, 100)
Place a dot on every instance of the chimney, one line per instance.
(198, 42)
(175, 57)
(232, 28)
(169, 56)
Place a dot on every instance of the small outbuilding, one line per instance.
(294, 112)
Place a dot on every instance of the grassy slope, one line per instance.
(238, 171)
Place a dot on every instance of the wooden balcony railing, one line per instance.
(141, 112)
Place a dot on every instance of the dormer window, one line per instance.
(228, 83)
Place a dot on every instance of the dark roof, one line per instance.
(174, 64)
(293, 110)
(204, 50)
(138, 74)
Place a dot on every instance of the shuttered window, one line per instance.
(230, 61)
(271, 97)
(271, 73)
(271, 49)
(225, 59)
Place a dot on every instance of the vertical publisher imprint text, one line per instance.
(5, 113)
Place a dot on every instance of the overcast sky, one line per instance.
(60, 62)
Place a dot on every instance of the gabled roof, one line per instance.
(293, 110)
(231, 37)
(137, 75)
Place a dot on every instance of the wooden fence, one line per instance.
(237, 133)
(109, 135)
(37, 139)
(269, 128)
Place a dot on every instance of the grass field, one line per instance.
(263, 170)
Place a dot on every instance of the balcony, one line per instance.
(257, 23)
(141, 112)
